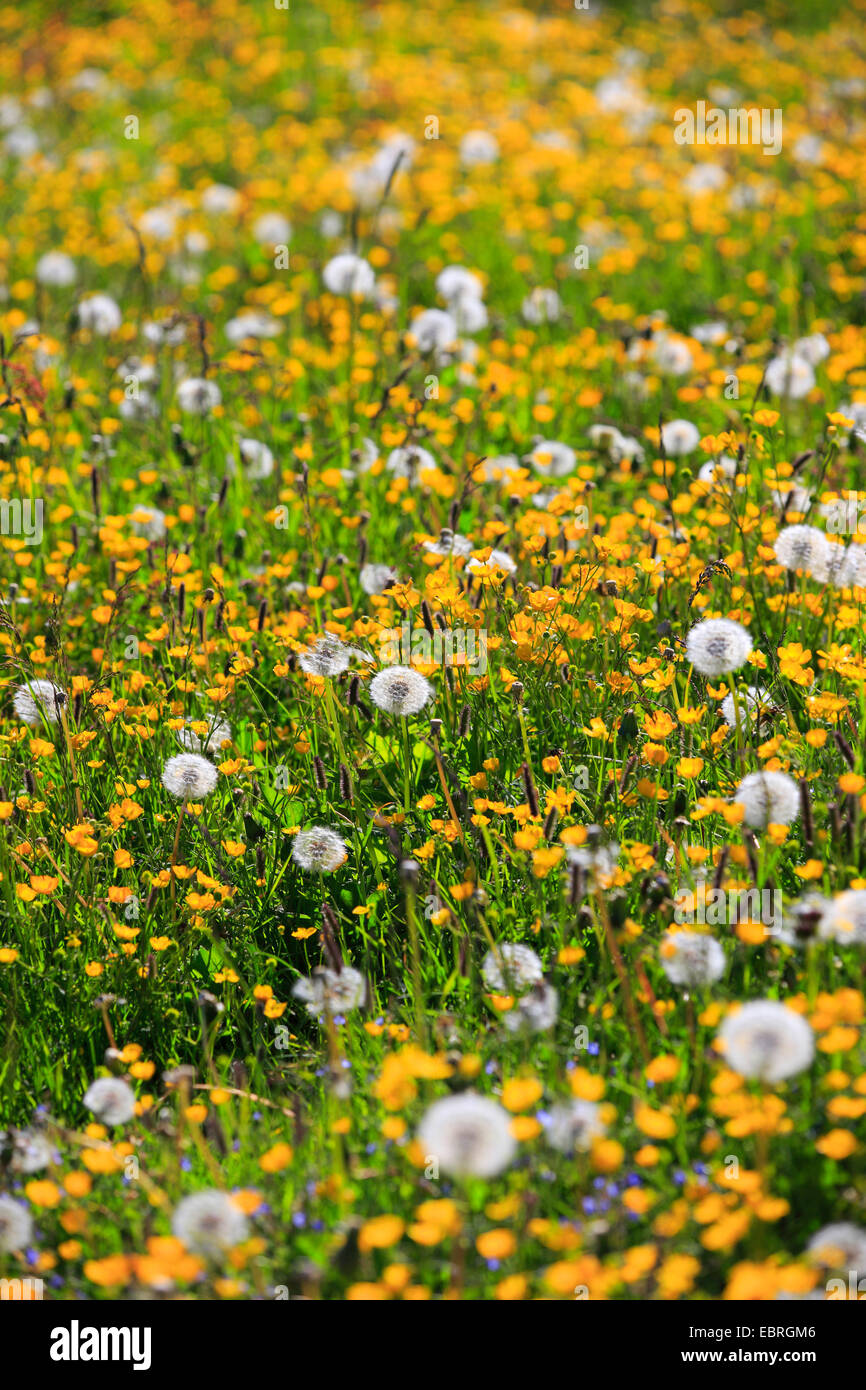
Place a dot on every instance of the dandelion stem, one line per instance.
(71, 751)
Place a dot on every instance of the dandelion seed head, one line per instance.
(408, 461)
(718, 646)
(455, 282)
(691, 959)
(767, 1040)
(209, 1223)
(331, 991)
(349, 274)
(374, 579)
(574, 1128)
(789, 375)
(31, 1151)
(252, 323)
(111, 1099)
(38, 700)
(256, 457)
(16, 1225)
(149, 522)
(541, 305)
(680, 437)
(197, 396)
(750, 703)
(496, 560)
(329, 657)
(841, 1245)
(536, 1012)
(219, 731)
(99, 314)
(400, 690)
(768, 798)
(802, 548)
(552, 459)
(512, 968)
(189, 776)
(469, 1135)
(434, 330)
(844, 919)
(56, 269)
(272, 229)
(478, 147)
(318, 850)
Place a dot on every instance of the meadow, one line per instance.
(432, 682)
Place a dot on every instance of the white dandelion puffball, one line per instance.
(332, 991)
(272, 229)
(672, 356)
(149, 522)
(31, 1151)
(220, 198)
(455, 282)
(768, 798)
(374, 579)
(552, 459)
(99, 314)
(497, 468)
(209, 1222)
(16, 1225)
(21, 143)
(434, 330)
(478, 147)
(496, 560)
(791, 498)
(512, 968)
(541, 305)
(718, 646)
(838, 567)
(691, 958)
(854, 574)
(449, 544)
(604, 436)
(790, 376)
(408, 461)
(470, 314)
(536, 1012)
(252, 323)
(165, 334)
(56, 269)
(318, 850)
(679, 437)
(766, 1040)
(705, 178)
(574, 1127)
(400, 690)
(844, 919)
(748, 706)
(813, 349)
(329, 657)
(111, 1100)
(218, 732)
(349, 274)
(256, 457)
(842, 1245)
(720, 471)
(802, 548)
(365, 454)
(599, 862)
(189, 777)
(38, 700)
(469, 1135)
(196, 396)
